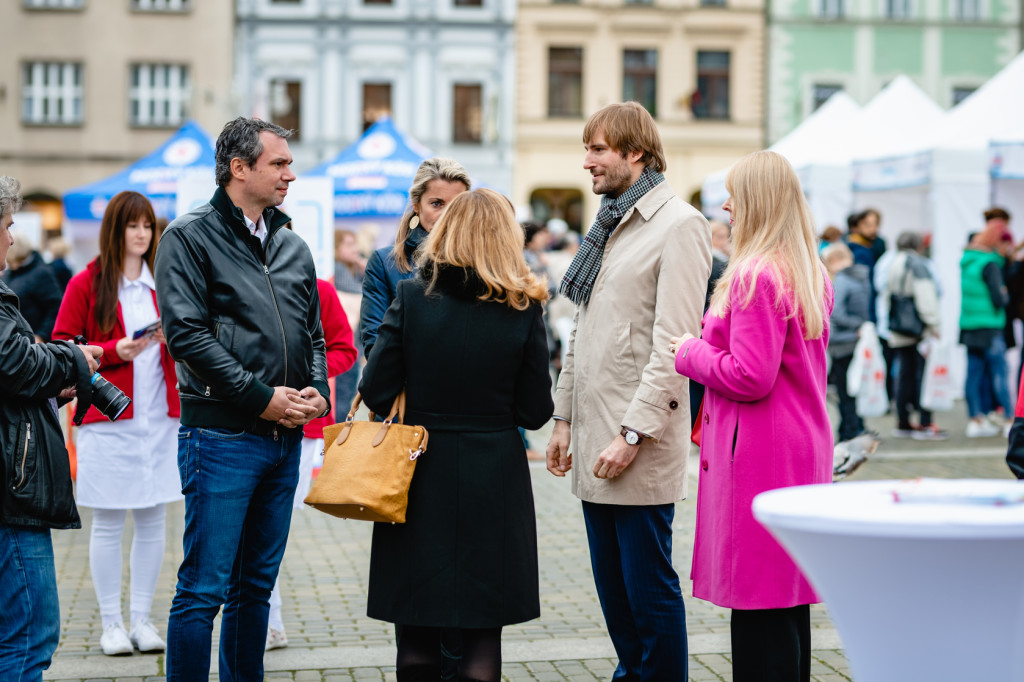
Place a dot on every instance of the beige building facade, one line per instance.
(90, 86)
(697, 65)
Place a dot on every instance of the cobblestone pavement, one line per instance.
(324, 577)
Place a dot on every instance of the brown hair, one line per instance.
(437, 168)
(628, 127)
(124, 208)
(995, 213)
(479, 231)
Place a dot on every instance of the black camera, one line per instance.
(105, 396)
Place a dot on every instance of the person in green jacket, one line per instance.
(982, 319)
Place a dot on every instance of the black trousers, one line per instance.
(771, 645)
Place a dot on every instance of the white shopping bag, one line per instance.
(937, 385)
(866, 376)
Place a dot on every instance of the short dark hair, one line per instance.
(240, 139)
(996, 213)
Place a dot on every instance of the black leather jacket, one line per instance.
(239, 317)
(37, 490)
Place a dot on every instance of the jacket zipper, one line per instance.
(24, 453)
(284, 337)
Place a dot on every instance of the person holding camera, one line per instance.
(37, 494)
(130, 463)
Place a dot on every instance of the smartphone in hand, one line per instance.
(146, 331)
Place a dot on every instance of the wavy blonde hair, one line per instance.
(773, 230)
(435, 168)
(479, 231)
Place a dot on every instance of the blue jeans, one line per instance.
(631, 555)
(238, 491)
(29, 614)
(989, 363)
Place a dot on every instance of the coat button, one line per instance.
(707, 420)
(673, 404)
(704, 464)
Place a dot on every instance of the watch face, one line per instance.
(632, 438)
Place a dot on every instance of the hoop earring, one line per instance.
(414, 221)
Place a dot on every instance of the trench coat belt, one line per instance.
(434, 421)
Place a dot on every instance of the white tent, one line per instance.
(890, 157)
(818, 150)
(1006, 167)
(1005, 137)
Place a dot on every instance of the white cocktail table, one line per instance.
(922, 591)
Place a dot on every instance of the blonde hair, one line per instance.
(479, 231)
(628, 127)
(773, 229)
(437, 168)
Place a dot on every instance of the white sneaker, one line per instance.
(276, 639)
(981, 428)
(115, 642)
(145, 638)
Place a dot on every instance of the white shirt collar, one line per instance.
(258, 229)
(146, 278)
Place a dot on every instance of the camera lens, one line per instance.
(108, 398)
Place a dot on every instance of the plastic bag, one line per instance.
(866, 377)
(937, 384)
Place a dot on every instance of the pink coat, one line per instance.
(765, 427)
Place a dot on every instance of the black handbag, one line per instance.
(903, 317)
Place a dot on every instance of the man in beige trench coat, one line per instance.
(639, 278)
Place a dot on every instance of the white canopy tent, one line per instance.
(1006, 167)
(819, 152)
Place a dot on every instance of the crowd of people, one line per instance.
(660, 327)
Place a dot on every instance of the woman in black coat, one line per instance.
(466, 341)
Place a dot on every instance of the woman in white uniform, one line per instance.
(131, 463)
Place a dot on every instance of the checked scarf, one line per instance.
(579, 278)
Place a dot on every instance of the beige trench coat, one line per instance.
(619, 370)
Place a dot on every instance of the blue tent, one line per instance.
(372, 176)
(155, 175)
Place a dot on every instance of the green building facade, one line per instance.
(947, 47)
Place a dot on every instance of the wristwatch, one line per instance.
(632, 437)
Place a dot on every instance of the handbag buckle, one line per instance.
(415, 454)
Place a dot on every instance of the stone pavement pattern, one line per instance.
(324, 578)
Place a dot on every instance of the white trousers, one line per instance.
(145, 558)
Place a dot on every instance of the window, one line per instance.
(54, 4)
(961, 93)
(286, 106)
(377, 2)
(968, 10)
(712, 3)
(712, 97)
(469, 3)
(832, 9)
(640, 78)
(897, 9)
(821, 92)
(376, 102)
(565, 81)
(159, 94)
(161, 5)
(468, 114)
(639, 2)
(52, 93)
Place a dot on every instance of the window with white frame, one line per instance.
(162, 5)
(51, 93)
(960, 93)
(967, 10)
(821, 92)
(897, 9)
(832, 9)
(54, 4)
(159, 94)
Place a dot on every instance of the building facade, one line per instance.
(696, 65)
(443, 70)
(948, 47)
(89, 86)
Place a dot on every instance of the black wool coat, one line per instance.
(473, 372)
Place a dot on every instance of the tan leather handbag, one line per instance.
(368, 466)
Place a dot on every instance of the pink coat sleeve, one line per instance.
(746, 369)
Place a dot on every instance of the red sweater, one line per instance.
(77, 315)
(341, 352)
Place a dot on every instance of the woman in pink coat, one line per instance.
(762, 359)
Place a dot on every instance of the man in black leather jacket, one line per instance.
(240, 310)
(37, 493)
